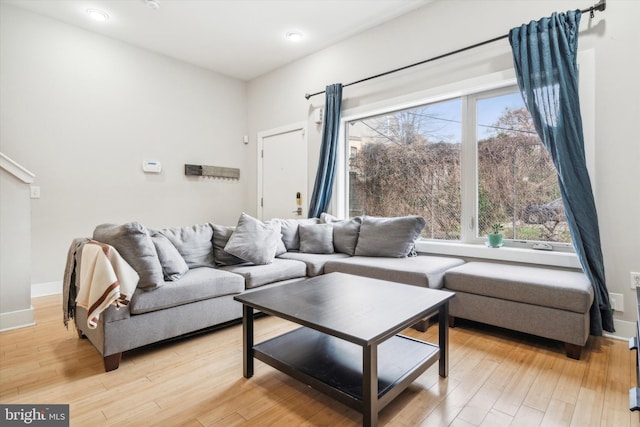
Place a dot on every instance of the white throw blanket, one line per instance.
(105, 279)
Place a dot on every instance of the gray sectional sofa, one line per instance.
(188, 276)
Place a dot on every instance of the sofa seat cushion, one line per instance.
(197, 284)
(258, 275)
(423, 270)
(547, 287)
(315, 262)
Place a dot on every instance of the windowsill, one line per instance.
(530, 256)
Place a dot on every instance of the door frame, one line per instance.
(261, 136)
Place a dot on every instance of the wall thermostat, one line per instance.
(152, 166)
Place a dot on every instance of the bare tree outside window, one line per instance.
(408, 162)
(517, 182)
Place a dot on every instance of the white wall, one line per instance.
(15, 249)
(82, 111)
(277, 98)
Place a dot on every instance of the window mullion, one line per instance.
(468, 171)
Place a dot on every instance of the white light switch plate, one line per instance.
(617, 302)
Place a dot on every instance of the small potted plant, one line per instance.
(495, 238)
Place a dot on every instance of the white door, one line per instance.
(282, 173)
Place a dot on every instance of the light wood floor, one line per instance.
(497, 378)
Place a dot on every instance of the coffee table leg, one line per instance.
(443, 332)
(370, 385)
(247, 339)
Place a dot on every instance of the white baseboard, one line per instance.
(624, 330)
(17, 319)
(24, 318)
(46, 288)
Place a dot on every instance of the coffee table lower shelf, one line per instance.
(334, 366)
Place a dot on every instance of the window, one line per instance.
(475, 155)
(517, 181)
(408, 162)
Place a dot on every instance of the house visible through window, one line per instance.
(477, 154)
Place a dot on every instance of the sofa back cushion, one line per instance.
(316, 238)
(388, 237)
(134, 244)
(194, 244)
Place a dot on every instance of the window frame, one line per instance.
(470, 173)
(563, 254)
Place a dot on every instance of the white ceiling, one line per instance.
(239, 38)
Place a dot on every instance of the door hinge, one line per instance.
(261, 202)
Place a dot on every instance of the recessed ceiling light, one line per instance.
(153, 4)
(294, 36)
(98, 15)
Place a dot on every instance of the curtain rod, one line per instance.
(600, 6)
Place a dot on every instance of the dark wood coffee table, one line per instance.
(348, 346)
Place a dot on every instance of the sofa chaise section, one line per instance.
(547, 302)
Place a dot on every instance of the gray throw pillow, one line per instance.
(173, 265)
(281, 248)
(194, 244)
(221, 236)
(316, 238)
(388, 237)
(253, 240)
(345, 232)
(289, 229)
(134, 244)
